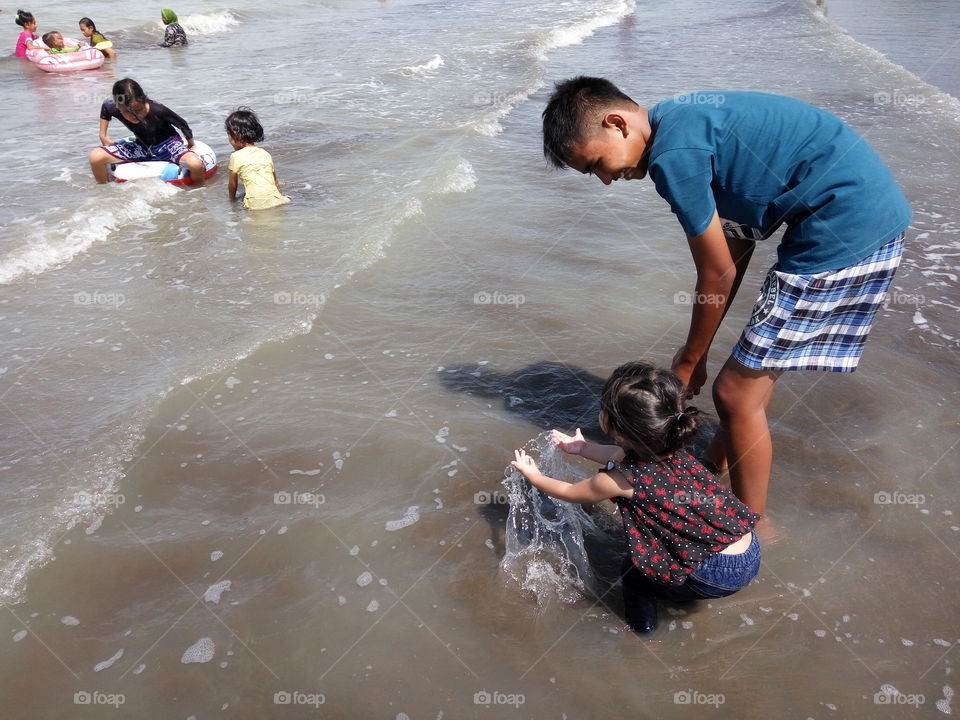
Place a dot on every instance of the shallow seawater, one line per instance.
(256, 460)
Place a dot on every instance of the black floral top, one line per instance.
(678, 516)
(174, 35)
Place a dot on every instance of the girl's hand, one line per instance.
(525, 464)
(569, 444)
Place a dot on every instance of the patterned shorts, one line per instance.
(130, 150)
(819, 321)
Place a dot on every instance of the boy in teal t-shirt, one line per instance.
(734, 167)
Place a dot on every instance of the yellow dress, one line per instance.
(254, 166)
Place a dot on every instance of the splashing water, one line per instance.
(545, 554)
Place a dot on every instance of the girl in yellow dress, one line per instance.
(251, 164)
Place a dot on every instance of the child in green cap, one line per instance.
(174, 34)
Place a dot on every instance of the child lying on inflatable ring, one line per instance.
(54, 42)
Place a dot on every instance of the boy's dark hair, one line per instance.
(87, 22)
(128, 91)
(23, 17)
(642, 408)
(48, 37)
(574, 104)
(242, 124)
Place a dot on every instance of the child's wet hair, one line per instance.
(49, 37)
(573, 104)
(23, 18)
(641, 407)
(242, 125)
(87, 22)
(128, 91)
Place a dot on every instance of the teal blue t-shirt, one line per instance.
(764, 160)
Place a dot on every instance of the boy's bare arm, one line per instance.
(718, 277)
(104, 138)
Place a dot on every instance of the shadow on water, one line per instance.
(546, 394)
(549, 395)
(554, 395)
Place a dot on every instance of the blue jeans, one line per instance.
(717, 576)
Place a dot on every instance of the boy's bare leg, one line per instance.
(716, 452)
(195, 166)
(99, 159)
(741, 396)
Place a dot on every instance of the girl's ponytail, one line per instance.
(22, 18)
(682, 429)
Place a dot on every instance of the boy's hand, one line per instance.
(525, 464)
(573, 445)
(693, 376)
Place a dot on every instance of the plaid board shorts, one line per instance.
(171, 150)
(819, 321)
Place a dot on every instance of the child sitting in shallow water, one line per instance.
(688, 536)
(156, 128)
(251, 164)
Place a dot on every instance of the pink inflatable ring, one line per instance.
(86, 58)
